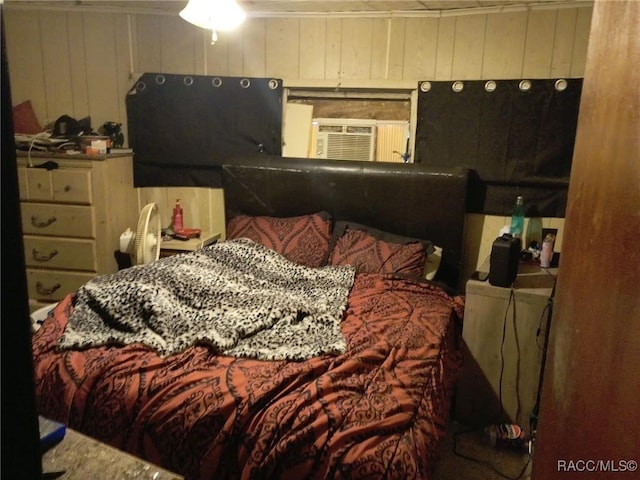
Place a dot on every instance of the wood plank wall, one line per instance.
(83, 63)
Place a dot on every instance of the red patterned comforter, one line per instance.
(378, 411)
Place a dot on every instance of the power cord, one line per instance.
(548, 312)
(486, 462)
(502, 411)
(504, 336)
(29, 160)
(518, 353)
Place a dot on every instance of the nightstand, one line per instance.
(172, 247)
(504, 337)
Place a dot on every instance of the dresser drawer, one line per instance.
(38, 185)
(57, 220)
(61, 253)
(71, 186)
(53, 285)
(64, 185)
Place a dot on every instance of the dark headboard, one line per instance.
(406, 199)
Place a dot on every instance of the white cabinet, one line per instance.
(503, 332)
(72, 218)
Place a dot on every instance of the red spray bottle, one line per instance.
(177, 217)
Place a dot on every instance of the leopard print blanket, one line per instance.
(238, 297)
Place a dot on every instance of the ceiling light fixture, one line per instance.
(214, 15)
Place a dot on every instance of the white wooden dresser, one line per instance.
(72, 219)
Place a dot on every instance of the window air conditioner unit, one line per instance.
(341, 139)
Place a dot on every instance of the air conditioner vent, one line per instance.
(349, 147)
(345, 139)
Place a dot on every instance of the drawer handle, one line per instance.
(43, 258)
(67, 188)
(37, 224)
(46, 291)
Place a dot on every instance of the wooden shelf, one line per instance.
(170, 247)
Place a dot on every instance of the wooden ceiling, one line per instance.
(276, 8)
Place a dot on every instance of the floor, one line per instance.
(467, 455)
(80, 457)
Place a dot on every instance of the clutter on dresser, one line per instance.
(68, 135)
(113, 131)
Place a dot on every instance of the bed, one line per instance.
(360, 388)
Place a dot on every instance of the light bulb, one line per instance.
(213, 15)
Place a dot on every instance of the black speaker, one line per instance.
(503, 265)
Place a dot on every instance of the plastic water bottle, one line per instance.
(517, 218)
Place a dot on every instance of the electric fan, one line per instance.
(145, 245)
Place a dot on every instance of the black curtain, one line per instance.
(183, 127)
(518, 140)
